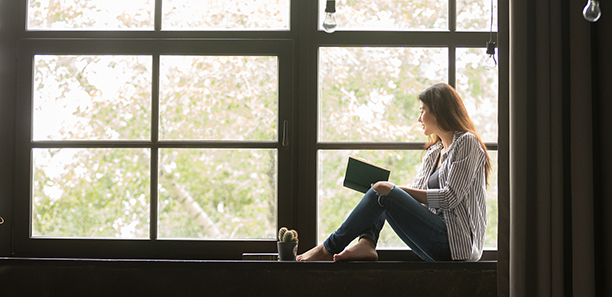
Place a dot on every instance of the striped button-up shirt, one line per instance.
(461, 197)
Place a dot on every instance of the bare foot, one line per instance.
(317, 253)
(363, 250)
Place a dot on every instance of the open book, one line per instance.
(360, 174)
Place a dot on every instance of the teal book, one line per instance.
(361, 174)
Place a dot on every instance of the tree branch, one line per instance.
(194, 209)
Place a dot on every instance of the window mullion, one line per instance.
(452, 27)
(154, 148)
(452, 15)
(452, 65)
(158, 15)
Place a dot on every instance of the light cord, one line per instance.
(491, 44)
(491, 25)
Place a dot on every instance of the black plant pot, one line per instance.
(287, 250)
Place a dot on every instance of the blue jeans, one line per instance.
(423, 231)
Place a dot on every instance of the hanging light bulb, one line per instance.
(329, 23)
(591, 11)
(490, 63)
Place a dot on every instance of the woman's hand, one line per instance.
(383, 187)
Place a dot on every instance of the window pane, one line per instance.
(218, 98)
(225, 15)
(91, 193)
(476, 15)
(92, 97)
(217, 194)
(370, 94)
(91, 14)
(492, 209)
(388, 15)
(478, 87)
(336, 202)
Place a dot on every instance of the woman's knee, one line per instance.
(383, 188)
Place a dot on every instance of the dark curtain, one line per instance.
(560, 115)
(602, 62)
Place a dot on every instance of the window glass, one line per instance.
(388, 15)
(217, 194)
(492, 205)
(478, 87)
(90, 14)
(92, 97)
(218, 98)
(94, 193)
(225, 15)
(370, 93)
(475, 15)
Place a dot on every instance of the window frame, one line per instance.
(299, 209)
(451, 39)
(25, 245)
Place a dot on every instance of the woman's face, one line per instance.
(428, 120)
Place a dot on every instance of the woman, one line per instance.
(442, 217)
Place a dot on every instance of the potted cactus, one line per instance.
(287, 244)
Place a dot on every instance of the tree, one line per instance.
(99, 104)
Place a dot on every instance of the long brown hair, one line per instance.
(447, 107)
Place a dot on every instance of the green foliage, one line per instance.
(100, 194)
(235, 188)
(218, 98)
(369, 94)
(478, 87)
(80, 14)
(393, 15)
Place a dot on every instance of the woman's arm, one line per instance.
(384, 188)
(468, 159)
(419, 195)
